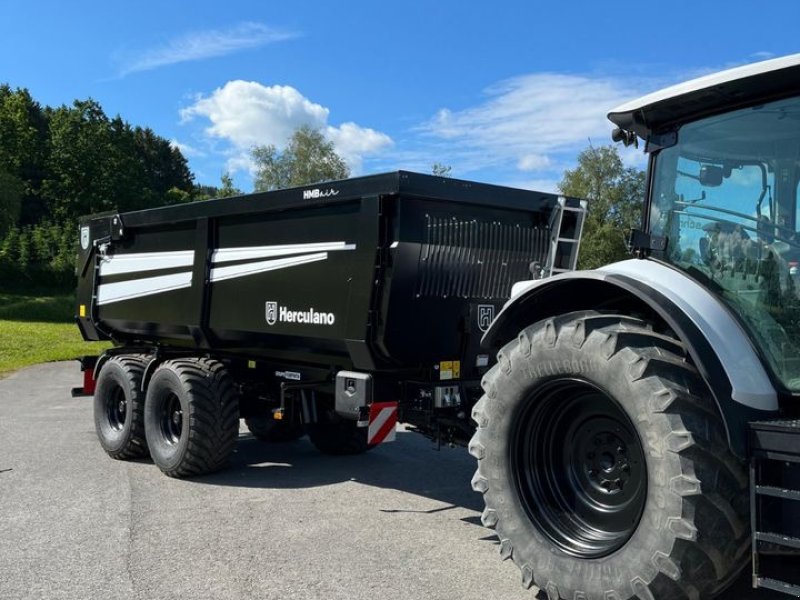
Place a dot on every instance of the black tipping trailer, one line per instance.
(324, 310)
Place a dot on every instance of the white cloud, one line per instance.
(187, 150)
(633, 156)
(353, 142)
(762, 55)
(533, 162)
(247, 113)
(526, 120)
(240, 161)
(199, 45)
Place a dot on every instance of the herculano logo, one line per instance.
(276, 313)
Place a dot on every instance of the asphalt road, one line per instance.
(283, 522)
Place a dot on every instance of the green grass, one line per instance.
(36, 329)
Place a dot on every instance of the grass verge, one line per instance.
(36, 329)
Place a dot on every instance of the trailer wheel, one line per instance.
(604, 464)
(119, 407)
(269, 430)
(191, 416)
(332, 434)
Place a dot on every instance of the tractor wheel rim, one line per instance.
(579, 467)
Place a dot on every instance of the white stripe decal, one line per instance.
(223, 255)
(126, 290)
(145, 261)
(153, 261)
(223, 273)
(379, 421)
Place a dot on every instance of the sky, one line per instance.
(503, 92)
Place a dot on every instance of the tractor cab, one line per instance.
(722, 202)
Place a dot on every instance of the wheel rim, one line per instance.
(579, 468)
(171, 419)
(116, 408)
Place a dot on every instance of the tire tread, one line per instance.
(213, 416)
(133, 366)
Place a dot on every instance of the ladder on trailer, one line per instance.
(566, 229)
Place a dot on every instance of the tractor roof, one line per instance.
(718, 92)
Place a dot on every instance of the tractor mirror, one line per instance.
(710, 176)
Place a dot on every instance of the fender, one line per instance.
(718, 345)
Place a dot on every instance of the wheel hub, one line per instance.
(116, 408)
(606, 462)
(171, 419)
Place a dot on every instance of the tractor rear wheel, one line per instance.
(604, 464)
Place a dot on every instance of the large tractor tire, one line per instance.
(191, 417)
(269, 430)
(604, 464)
(119, 407)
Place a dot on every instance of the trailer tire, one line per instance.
(269, 430)
(604, 464)
(191, 416)
(119, 407)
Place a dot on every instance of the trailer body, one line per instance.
(394, 275)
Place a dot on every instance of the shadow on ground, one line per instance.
(411, 464)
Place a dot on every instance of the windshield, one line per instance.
(726, 197)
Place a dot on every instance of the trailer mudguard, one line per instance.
(716, 341)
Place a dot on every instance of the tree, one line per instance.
(441, 170)
(228, 189)
(11, 191)
(210, 192)
(57, 164)
(615, 194)
(164, 166)
(23, 148)
(97, 164)
(308, 158)
(205, 192)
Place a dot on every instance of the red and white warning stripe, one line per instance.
(382, 422)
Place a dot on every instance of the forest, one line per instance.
(57, 164)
